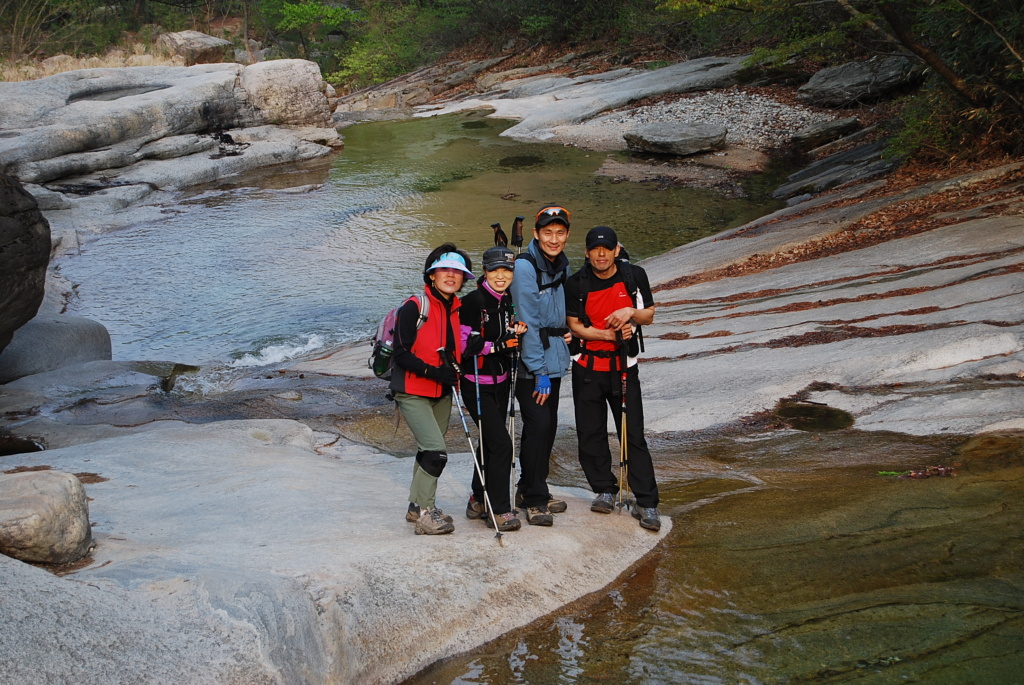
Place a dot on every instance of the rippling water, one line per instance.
(791, 560)
(258, 269)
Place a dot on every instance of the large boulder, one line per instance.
(857, 82)
(676, 138)
(287, 91)
(44, 517)
(24, 255)
(53, 341)
(195, 47)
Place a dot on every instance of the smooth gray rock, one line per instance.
(53, 341)
(194, 46)
(44, 517)
(248, 548)
(677, 138)
(823, 132)
(859, 82)
(82, 122)
(24, 256)
(547, 102)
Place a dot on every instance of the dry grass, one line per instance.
(136, 55)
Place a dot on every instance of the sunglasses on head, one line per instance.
(560, 212)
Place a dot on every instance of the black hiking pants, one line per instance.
(540, 421)
(497, 457)
(593, 394)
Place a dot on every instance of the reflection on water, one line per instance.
(317, 253)
(811, 567)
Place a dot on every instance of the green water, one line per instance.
(466, 177)
(792, 561)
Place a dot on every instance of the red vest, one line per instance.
(433, 334)
(599, 305)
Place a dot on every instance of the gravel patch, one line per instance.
(752, 120)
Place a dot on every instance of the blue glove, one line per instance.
(542, 384)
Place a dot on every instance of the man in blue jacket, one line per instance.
(537, 293)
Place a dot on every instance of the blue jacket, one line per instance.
(540, 310)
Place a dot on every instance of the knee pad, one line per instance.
(432, 462)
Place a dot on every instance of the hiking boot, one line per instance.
(603, 503)
(555, 506)
(649, 517)
(539, 516)
(431, 522)
(413, 514)
(506, 522)
(474, 509)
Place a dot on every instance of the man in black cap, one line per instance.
(605, 303)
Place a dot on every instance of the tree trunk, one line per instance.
(894, 16)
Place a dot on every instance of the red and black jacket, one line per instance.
(416, 353)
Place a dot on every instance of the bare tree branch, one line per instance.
(1006, 42)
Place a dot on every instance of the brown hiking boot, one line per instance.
(555, 506)
(474, 509)
(431, 522)
(413, 514)
(539, 516)
(506, 522)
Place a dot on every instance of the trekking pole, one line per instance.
(512, 421)
(469, 438)
(623, 436)
(517, 234)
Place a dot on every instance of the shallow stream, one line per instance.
(297, 260)
(792, 560)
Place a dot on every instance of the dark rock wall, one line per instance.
(24, 256)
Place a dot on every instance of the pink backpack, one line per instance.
(384, 339)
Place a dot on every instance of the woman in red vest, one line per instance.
(423, 379)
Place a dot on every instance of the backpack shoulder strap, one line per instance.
(557, 281)
(584, 278)
(424, 306)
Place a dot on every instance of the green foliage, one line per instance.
(307, 14)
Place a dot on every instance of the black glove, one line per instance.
(506, 343)
(445, 375)
(474, 345)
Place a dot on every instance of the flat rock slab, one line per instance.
(548, 102)
(287, 562)
(676, 138)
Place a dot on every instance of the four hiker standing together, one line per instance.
(528, 324)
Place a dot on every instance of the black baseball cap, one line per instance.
(499, 258)
(602, 236)
(551, 213)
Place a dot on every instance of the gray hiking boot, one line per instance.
(431, 522)
(603, 503)
(649, 517)
(474, 509)
(539, 516)
(506, 522)
(413, 514)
